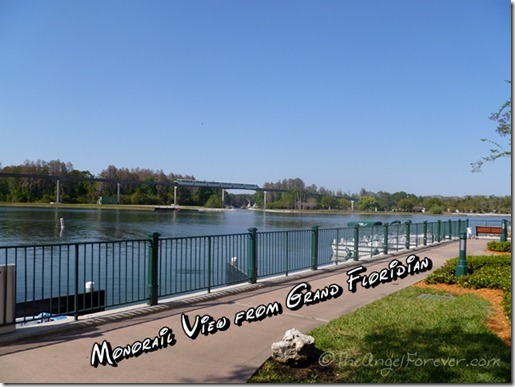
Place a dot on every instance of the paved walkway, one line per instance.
(61, 353)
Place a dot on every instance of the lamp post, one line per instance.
(461, 268)
(504, 231)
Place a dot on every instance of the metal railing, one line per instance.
(81, 278)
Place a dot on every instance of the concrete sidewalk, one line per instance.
(62, 353)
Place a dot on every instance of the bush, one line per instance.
(503, 247)
(476, 262)
(490, 277)
(447, 273)
(436, 210)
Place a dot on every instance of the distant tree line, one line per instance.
(141, 186)
(301, 197)
(141, 191)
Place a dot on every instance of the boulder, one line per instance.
(295, 349)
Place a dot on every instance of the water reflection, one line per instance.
(33, 226)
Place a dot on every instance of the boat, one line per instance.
(364, 223)
(344, 249)
(367, 244)
(370, 245)
(371, 241)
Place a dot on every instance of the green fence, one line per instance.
(80, 278)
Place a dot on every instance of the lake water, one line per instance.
(37, 226)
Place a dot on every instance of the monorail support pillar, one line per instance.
(58, 192)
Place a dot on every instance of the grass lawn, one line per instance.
(404, 338)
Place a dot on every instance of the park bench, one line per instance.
(488, 230)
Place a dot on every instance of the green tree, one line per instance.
(367, 203)
(407, 204)
(385, 201)
(329, 202)
(77, 190)
(503, 119)
(344, 204)
(214, 201)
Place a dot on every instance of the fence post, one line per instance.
(356, 240)
(209, 258)
(252, 267)
(450, 229)
(425, 232)
(385, 240)
(407, 223)
(314, 248)
(76, 299)
(439, 231)
(153, 254)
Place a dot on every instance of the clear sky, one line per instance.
(386, 95)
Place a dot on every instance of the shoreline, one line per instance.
(163, 208)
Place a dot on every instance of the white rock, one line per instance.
(294, 349)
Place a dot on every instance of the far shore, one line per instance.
(155, 207)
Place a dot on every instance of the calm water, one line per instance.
(35, 226)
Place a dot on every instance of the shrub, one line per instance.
(491, 277)
(476, 262)
(503, 247)
(447, 273)
(436, 210)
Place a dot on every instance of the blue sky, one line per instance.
(344, 94)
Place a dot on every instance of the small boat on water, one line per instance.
(368, 244)
(364, 223)
(344, 249)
